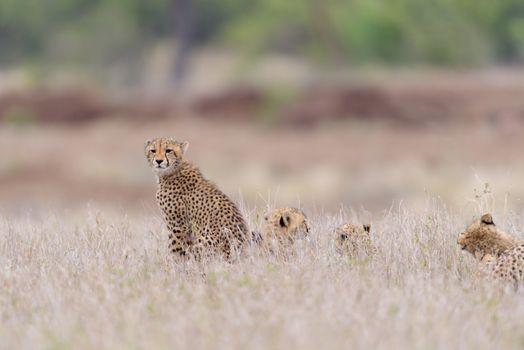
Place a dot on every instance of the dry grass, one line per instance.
(92, 280)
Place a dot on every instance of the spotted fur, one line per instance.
(201, 219)
(283, 226)
(354, 240)
(498, 251)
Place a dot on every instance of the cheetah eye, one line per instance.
(152, 151)
(169, 150)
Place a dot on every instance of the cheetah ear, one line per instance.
(284, 220)
(184, 146)
(148, 142)
(487, 219)
(367, 227)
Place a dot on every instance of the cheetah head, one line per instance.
(354, 234)
(286, 224)
(164, 155)
(483, 239)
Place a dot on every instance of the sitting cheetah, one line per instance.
(354, 240)
(501, 253)
(201, 219)
(283, 226)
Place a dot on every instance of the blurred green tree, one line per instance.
(445, 32)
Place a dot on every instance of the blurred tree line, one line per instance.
(444, 32)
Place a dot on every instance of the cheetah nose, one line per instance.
(159, 161)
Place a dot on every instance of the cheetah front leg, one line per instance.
(179, 239)
(203, 247)
(197, 250)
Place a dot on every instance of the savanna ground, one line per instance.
(87, 279)
(83, 251)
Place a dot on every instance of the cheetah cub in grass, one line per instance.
(499, 252)
(354, 240)
(201, 219)
(282, 227)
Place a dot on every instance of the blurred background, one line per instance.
(319, 103)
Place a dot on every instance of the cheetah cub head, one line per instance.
(484, 240)
(164, 155)
(285, 225)
(354, 239)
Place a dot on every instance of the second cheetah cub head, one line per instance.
(164, 155)
(484, 240)
(354, 240)
(285, 225)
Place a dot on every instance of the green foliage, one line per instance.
(450, 32)
(453, 32)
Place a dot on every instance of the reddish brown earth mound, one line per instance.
(52, 106)
(235, 104)
(425, 102)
